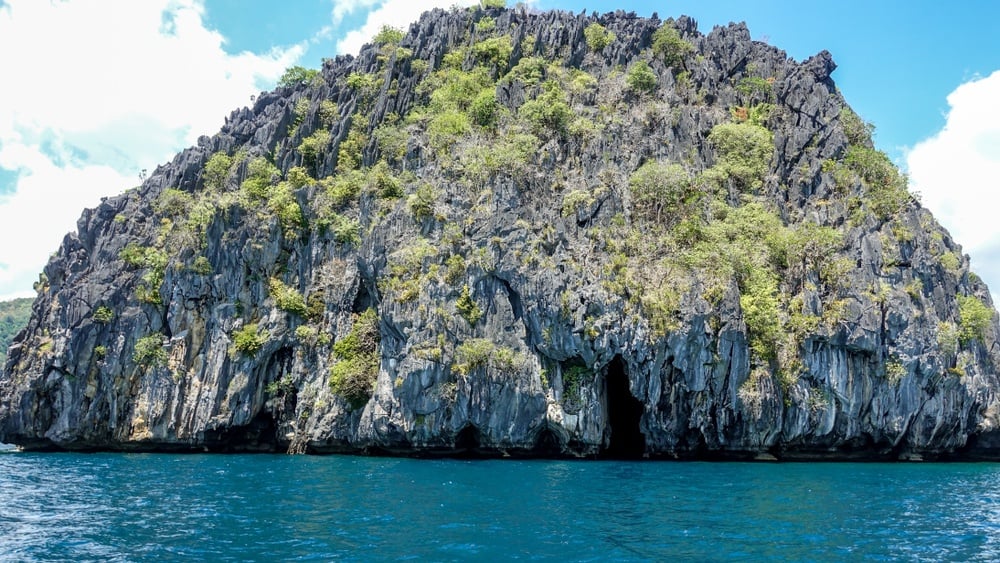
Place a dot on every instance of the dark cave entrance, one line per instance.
(547, 444)
(467, 441)
(624, 415)
(260, 435)
(364, 299)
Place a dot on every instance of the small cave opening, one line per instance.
(467, 441)
(364, 299)
(624, 415)
(259, 435)
(547, 444)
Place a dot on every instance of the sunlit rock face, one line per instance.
(503, 232)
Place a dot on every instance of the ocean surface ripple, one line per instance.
(143, 507)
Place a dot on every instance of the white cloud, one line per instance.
(97, 90)
(343, 8)
(83, 63)
(395, 13)
(34, 220)
(957, 171)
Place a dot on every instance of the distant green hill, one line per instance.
(14, 316)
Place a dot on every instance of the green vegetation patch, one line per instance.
(154, 261)
(313, 146)
(974, 318)
(149, 352)
(494, 51)
(422, 201)
(249, 339)
(887, 192)
(744, 152)
(598, 37)
(858, 131)
(261, 175)
(640, 78)
(669, 46)
(660, 188)
(573, 379)
(217, 170)
(356, 369)
(286, 297)
(480, 353)
(754, 89)
(173, 202)
(103, 314)
(388, 35)
(297, 76)
(467, 307)
(549, 113)
(261, 184)
(512, 154)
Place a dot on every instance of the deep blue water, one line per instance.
(144, 507)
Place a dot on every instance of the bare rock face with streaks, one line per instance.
(502, 232)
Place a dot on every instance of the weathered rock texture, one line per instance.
(483, 185)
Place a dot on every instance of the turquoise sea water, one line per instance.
(146, 507)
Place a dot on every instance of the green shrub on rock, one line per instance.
(485, 109)
(641, 79)
(974, 318)
(472, 354)
(353, 375)
(248, 340)
(297, 76)
(260, 177)
(467, 307)
(388, 35)
(598, 37)
(346, 230)
(761, 312)
(744, 152)
(103, 314)
(659, 188)
(422, 201)
(668, 44)
(149, 352)
(173, 202)
(286, 297)
(217, 170)
(313, 146)
(201, 266)
(549, 111)
(495, 51)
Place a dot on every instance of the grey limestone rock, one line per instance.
(478, 187)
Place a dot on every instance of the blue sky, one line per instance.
(106, 88)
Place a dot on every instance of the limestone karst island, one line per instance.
(509, 233)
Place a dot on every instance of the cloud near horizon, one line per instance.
(97, 91)
(957, 173)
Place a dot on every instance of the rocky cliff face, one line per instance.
(505, 232)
